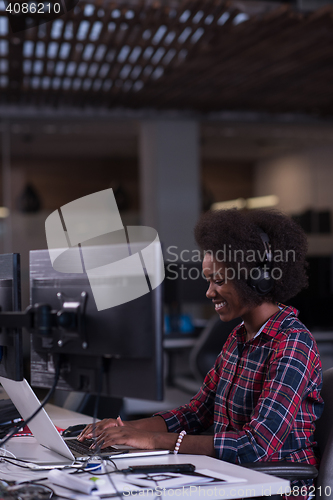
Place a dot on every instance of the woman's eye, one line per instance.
(219, 282)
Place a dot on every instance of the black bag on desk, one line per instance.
(8, 416)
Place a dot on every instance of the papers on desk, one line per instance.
(166, 480)
(132, 484)
(176, 480)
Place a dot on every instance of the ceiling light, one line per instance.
(4, 212)
(262, 201)
(225, 205)
(255, 202)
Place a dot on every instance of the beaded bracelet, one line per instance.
(179, 442)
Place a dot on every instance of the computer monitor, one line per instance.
(11, 357)
(125, 340)
(315, 302)
(184, 283)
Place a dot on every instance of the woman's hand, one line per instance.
(151, 424)
(94, 430)
(111, 431)
(124, 435)
(148, 433)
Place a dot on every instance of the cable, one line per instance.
(6, 459)
(5, 428)
(3, 450)
(116, 469)
(24, 464)
(31, 491)
(87, 468)
(47, 398)
(118, 493)
(100, 380)
(92, 473)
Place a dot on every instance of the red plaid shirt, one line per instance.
(262, 396)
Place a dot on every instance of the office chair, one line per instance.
(324, 438)
(204, 353)
(209, 345)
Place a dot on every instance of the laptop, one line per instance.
(47, 446)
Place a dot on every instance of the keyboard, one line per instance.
(83, 448)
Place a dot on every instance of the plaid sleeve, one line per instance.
(291, 385)
(198, 415)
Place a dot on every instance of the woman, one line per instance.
(263, 393)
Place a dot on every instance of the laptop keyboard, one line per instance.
(83, 448)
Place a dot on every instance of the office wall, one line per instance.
(59, 181)
(227, 179)
(302, 181)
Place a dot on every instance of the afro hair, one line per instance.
(233, 237)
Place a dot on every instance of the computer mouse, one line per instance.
(73, 430)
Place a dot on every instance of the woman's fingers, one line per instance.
(120, 422)
(86, 431)
(122, 436)
(94, 430)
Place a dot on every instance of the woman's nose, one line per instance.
(211, 291)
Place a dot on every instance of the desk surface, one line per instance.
(64, 418)
(255, 484)
(179, 343)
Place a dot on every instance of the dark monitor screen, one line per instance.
(126, 340)
(185, 283)
(315, 302)
(11, 358)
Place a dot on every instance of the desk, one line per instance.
(64, 418)
(179, 342)
(256, 484)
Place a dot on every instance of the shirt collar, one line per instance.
(272, 325)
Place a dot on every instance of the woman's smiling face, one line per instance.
(222, 290)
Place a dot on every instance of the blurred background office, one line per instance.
(179, 106)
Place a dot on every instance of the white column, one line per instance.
(170, 181)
